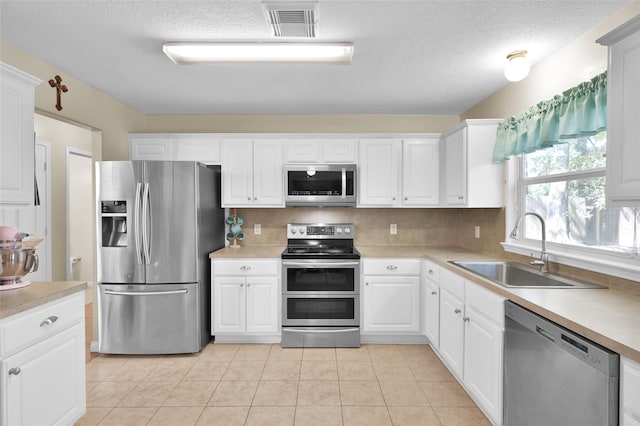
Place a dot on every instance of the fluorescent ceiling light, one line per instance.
(203, 53)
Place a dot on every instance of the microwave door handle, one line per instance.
(344, 183)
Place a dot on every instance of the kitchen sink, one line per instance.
(514, 275)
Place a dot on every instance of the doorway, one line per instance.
(80, 215)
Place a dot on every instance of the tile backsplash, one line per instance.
(416, 227)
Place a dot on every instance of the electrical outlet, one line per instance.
(257, 229)
(393, 229)
(477, 232)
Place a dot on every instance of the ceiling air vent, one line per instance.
(292, 19)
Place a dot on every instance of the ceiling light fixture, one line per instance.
(204, 53)
(518, 66)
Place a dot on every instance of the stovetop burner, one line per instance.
(322, 241)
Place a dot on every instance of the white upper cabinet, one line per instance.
(317, 150)
(623, 104)
(470, 177)
(252, 173)
(151, 147)
(379, 171)
(421, 171)
(268, 177)
(399, 172)
(203, 148)
(17, 141)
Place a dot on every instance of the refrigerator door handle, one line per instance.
(136, 227)
(145, 293)
(146, 219)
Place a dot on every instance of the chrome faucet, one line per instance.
(544, 257)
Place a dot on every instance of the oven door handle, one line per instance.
(320, 264)
(306, 330)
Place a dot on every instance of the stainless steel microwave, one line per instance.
(320, 185)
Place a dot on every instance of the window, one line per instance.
(565, 184)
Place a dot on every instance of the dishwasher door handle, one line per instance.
(544, 333)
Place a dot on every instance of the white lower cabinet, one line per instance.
(43, 364)
(245, 297)
(471, 339)
(431, 303)
(391, 296)
(629, 392)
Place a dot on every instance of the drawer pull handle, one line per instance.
(245, 268)
(392, 267)
(49, 321)
(465, 319)
(14, 371)
(431, 272)
(434, 292)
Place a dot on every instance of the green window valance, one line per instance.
(579, 111)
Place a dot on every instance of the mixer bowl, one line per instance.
(16, 264)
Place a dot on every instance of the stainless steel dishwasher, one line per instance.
(554, 377)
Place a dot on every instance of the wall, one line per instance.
(577, 62)
(81, 104)
(61, 135)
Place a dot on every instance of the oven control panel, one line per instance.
(313, 231)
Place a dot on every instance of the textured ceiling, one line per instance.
(411, 57)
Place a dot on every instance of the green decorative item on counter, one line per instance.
(235, 223)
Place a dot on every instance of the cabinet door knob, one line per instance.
(457, 311)
(14, 371)
(460, 197)
(242, 285)
(248, 198)
(431, 272)
(406, 198)
(248, 284)
(434, 292)
(255, 198)
(48, 321)
(366, 283)
(393, 199)
(465, 319)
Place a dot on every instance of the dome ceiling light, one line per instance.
(517, 66)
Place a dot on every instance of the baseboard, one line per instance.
(247, 338)
(394, 339)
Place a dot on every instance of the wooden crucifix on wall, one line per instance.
(57, 83)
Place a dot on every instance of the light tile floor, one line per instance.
(264, 385)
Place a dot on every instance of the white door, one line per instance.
(379, 172)
(80, 216)
(228, 304)
(392, 304)
(421, 172)
(432, 313)
(237, 172)
(268, 183)
(483, 362)
(455, 168)
(47, 385)
(451, 331)
(262, 304)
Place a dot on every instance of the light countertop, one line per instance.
(248, 252)
(38, 293)
(606, 316)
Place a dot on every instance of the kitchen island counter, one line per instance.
(609, 317)
(38, 293)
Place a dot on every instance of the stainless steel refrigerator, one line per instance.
(157, 223)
